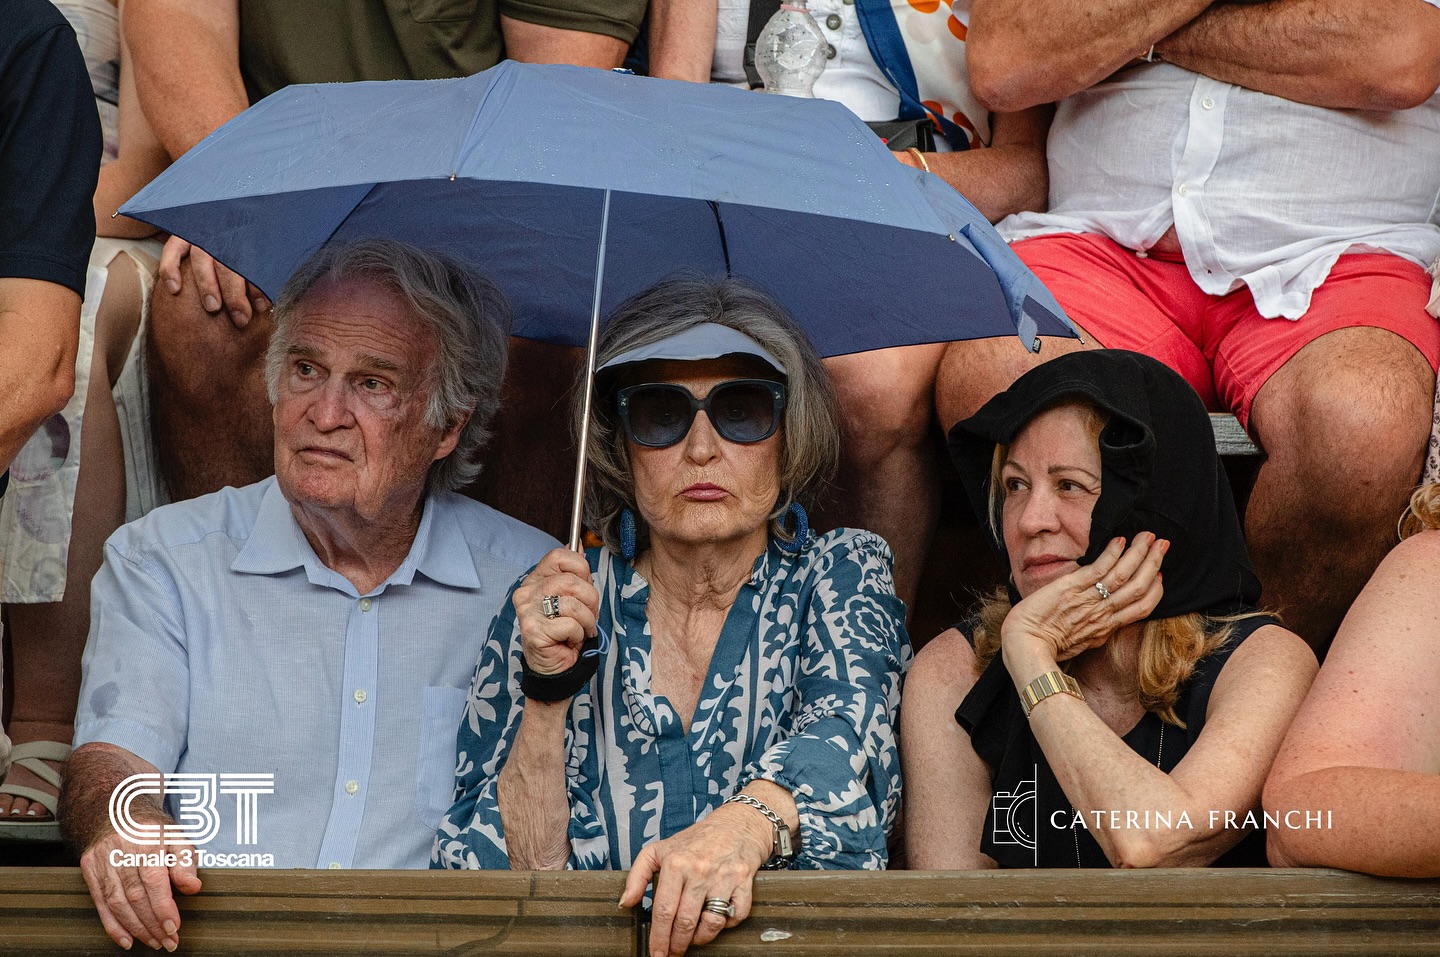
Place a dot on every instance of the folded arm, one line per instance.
(1365, 747)
(1343, 54)
(1250, 707)
(1022, 53)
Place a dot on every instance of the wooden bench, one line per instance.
(1211, 912)
(1230, 439)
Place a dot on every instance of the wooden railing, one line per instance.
(1212, 912)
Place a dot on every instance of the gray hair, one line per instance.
(466, 312)
(810, 443)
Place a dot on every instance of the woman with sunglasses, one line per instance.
(713, 691)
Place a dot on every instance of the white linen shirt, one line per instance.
(221, 644)
(1262, 191)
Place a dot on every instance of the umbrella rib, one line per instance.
(578, 511)
(720, 224)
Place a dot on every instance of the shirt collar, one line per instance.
(276, 544)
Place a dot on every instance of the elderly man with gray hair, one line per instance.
(289, 660)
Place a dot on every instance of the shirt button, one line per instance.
(334, 865)
(833, 21)
(1184, 189)
(360, 696)
(829, 51)
(364, 604)
(1208, 103)
(351, 787)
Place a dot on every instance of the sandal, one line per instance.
(32, 757)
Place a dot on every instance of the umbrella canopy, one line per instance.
(522, 168)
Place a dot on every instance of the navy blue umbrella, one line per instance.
(574, 188)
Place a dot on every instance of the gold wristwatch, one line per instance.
(1050, 683)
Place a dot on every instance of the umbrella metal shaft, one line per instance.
(577, 514)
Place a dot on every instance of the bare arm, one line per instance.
(531, 791)
(947, 786)
(134, 902)
(1365, 746)
(1343, 54)
(682, 39)
(187, 66)
(534, 43)
(1253, 700)
(1006, 177)
(140, 160)
(1025, 52)
(1251, 704)
(40, 327)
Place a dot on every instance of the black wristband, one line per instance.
(558, 687)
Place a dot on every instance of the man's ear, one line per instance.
(451, 436)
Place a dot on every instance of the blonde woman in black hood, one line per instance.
(1122, 703)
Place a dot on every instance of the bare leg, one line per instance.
(974, 371)
(48, 639)
(210, 417)
(1344, 424)
(888, 481)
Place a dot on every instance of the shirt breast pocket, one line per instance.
(435, 765)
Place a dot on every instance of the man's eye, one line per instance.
(373, 385)
(304, 368)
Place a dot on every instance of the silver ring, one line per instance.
(550, 606)
(1104, 592)
(718, 905)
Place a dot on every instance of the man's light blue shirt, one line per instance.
(220, 643)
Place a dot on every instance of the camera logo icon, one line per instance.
(1015, 816)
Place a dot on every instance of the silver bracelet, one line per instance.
(782, 850)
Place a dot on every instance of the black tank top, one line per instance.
(1030, 822)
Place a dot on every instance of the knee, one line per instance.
(199, 356)
(886, 401)
(1361, 422)
(974, 371)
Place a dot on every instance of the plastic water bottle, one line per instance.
(790, 51)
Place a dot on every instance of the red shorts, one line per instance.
(1222, 346)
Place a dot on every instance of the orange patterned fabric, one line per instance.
(934, 37)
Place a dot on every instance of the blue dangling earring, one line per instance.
(802, 529)
(627, 534)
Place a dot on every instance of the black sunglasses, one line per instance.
(659, 414)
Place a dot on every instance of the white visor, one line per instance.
(708, 340)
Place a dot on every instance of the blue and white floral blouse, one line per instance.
(802, 691)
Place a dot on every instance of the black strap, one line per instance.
(559, 687)
(760, 13)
